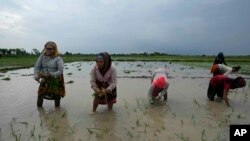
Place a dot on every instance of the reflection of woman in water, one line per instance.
(220, 85)
(48, 71)
(57, 123)
(104, 125)
(103, 81)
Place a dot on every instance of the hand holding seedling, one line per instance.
(44, 75)
(101, 92)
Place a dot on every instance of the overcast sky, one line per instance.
(128, 26)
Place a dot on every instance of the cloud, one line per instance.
(176, 26)
(10, 22)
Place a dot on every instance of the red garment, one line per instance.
(156, 91)
(221, 81)
(159, 82)
(214, 68)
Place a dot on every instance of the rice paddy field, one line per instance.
(186, 116)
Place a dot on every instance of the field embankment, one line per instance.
(17, 62)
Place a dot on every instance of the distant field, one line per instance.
(16, 62)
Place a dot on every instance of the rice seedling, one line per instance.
(182, 123)
(52, 123)
(41, 123)
(13, 132)
(196, 103)
(144, 103)
(245, 97)
(217, 138)
(18, 137)
(145, 127)
(139, 65)
(92, 130)
(127, 71)
(138, 122)
(51, 139)
(126, 106)
(135, 110)
(193, 119)
(89, 131)
(239, 116)
(6, 78)
(182, 137)
(32, 132)
(98, 135)
(71, 130)
(203, 135)
(130, 134)
(70, 73)
(64, 114)
(173, 113)
(140, 107)
(39, 137)
(70, 82)
(24, 123)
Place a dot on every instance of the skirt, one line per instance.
(52, 86)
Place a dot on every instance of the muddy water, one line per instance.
(187, 115)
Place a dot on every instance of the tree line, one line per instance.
(17, 52)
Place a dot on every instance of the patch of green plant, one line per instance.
(6, 78)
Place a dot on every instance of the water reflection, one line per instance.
(156, 117)
(56, 122)
(104, 126)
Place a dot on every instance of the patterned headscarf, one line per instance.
(53, 45)
(107, 62)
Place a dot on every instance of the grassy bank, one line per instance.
(16, 62)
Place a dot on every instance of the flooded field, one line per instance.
(187, 115)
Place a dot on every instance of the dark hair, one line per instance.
(238, 82)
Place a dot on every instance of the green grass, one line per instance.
(17, 62)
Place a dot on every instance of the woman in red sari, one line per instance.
(220, 84)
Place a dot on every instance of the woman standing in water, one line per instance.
(220, 85)
(159, 85)
(220, 59)
(48, 71)
(103, 81)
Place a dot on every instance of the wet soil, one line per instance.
(187, 114)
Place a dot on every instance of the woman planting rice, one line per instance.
(103, 81)
(48, 71)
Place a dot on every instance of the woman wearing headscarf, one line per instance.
(218, 69)
(220, 59)
(48, 71)
(103, 81)
(159, 85)
(220, 85)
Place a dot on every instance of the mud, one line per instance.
(187, 115)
